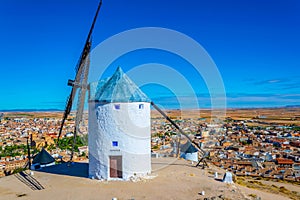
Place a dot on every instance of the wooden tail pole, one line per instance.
(183, 133)
(28, 152)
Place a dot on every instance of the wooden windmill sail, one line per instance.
(79, 84)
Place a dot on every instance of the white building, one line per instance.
(189, 152)
(228, 177)
(119, 129)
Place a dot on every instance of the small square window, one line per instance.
(117, 106)
(115, 143)
(141, 106)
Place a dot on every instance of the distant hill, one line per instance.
(292, 106)
(32, 110)
(60, 110)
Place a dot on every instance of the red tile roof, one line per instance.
(284, 161)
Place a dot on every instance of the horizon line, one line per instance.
(203, 108)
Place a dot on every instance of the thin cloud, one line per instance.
(270, 81)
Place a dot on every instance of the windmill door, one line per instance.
(115, 166)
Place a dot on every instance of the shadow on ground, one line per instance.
(28, 180)
(68, 169)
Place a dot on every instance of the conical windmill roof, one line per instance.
(118, 88)
(188, 148)
(43, 158)
(94, 87)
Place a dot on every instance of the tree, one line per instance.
(18, 170)
(51, 147)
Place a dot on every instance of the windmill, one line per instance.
(120, 130)
(79, 85)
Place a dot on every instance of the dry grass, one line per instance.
(278, 181)
(252, 195)
(254, 184)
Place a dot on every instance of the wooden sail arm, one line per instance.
(178, 128)
(74, 83)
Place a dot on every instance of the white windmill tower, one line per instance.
(119, 129)
(119, 121)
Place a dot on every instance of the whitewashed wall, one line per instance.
(130, 126)
(190, 156)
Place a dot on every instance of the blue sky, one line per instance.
(254, 43)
